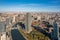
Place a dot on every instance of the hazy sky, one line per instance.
(30, 5)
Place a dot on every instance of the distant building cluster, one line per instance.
(49, 22)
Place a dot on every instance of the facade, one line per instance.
(28, 20)
(8, 21)
(3, 36)
(58, 30)
(2, 27)
(55, 30)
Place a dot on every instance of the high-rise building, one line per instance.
(2, 27)
(58, 23)
(13, 19)
(55, 30)
(28, 19)
(8, 21)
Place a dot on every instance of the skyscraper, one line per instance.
(55, 30)
(8, 21)
(2, 27)
(28, 19)
(58, 23)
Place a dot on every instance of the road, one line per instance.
(16, 35)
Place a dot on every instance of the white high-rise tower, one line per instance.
(28, 19)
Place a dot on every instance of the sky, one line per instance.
(30, 5)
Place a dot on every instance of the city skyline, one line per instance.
(30, 26)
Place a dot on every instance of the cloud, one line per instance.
(31, 4)
(30, 7)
